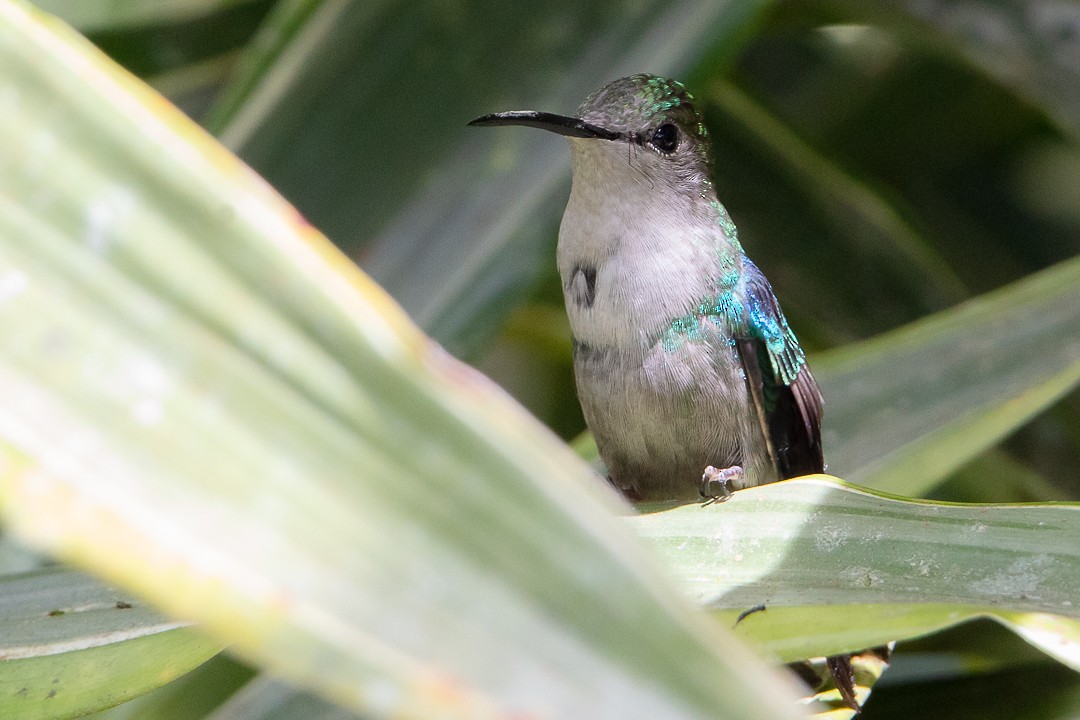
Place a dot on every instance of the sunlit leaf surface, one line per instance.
(209, 405)
(838, 568)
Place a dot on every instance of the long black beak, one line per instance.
(572, 127)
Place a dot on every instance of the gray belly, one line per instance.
(661, 415)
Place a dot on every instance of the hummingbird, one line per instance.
(688, 374)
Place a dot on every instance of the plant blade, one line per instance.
(209, 405)
(907, 408)
(862, 568)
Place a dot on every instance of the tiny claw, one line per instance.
(722, 479)
(747, 613)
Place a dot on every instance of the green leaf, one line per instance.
(1057, 636)
(907, 408)
(839, 568)
(1038, 692)
(185, 49)
(206, 403)
(265, 698)
(69, 645)
(994, 477)
(194, 695)
(1027, 46)
(90, 16)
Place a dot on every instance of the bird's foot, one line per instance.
(843, 675)
(716, 484)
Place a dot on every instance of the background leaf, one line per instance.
(1027, 45)
(420, 217)
(90, 16)
(70, 645)
(908, 408)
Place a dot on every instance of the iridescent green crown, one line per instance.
(633, 103)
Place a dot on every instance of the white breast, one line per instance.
(654, 262)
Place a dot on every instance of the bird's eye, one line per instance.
(665, 138)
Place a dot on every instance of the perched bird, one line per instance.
(682, 356)
(689, 377)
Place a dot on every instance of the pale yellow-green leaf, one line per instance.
(208, 404)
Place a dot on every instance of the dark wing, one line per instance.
(784, 392)
(788, 405)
